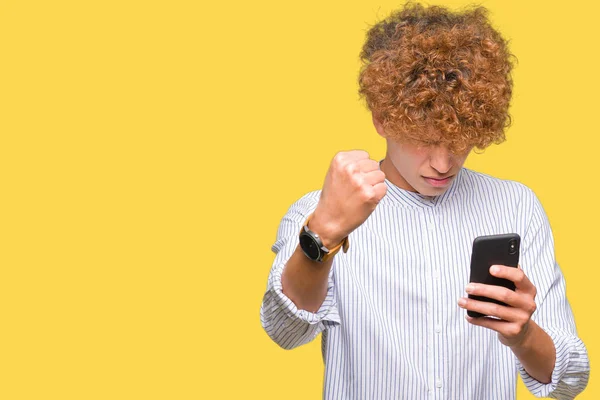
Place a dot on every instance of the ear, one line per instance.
(378, 125)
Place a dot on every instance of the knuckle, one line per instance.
(356, 179)
(506, 296)
(532, 307)
(350, 169)
(338, 160)
(362, 153)
(513, 330)
(495, 309)
(379, 192)
(520, 278)
(366, 196)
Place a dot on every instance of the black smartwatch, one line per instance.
(312, 245)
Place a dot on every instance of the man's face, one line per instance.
(426, 169)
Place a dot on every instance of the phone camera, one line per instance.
(512, 246)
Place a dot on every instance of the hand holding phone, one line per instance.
(493, 250)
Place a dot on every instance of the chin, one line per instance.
(429, 191)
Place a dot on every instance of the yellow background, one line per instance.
(149, 150)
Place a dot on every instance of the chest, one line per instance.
(413, 258)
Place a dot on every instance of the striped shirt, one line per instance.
(391, 326)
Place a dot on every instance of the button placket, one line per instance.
(427, 237)
(432, 226)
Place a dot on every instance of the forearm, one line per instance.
(305, 281)
(536, 353)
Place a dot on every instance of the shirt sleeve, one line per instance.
(285, 323)
(553, 314)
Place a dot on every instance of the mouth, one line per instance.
(438, 182)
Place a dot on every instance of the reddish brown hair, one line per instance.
(433, 76)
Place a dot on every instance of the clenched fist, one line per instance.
(353, 187)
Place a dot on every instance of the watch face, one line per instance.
(309, 247)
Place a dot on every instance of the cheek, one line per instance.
(459, 159)
(418, 159)
(408, 160)
(411, 163)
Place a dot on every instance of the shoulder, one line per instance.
(488, 185)
(502, 195)
(305, 205)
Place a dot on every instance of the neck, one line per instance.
(392, 175)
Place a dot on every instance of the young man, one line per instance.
(391, 305)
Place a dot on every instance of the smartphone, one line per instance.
(493, 250)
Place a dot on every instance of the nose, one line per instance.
(441, 159)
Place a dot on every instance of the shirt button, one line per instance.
(436, 274)
(430, 226)
(438, 383)
(438, 329)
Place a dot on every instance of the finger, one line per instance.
(380, 190)
(374, 177)
(513, 274)
(491, 309)
(490, 323)
(354, 155)
(344, 158)
(367, 165)
(497, 293)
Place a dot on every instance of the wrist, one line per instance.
(524, 341)
(328, 232)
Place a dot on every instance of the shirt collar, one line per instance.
(405, 198)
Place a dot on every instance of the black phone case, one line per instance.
(492, 250)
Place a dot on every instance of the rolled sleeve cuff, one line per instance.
(571, 369)
(327, 313)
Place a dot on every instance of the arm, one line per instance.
(538, 326)
(571, 369)
(570, 372)
(536, 353)
(288, 324)
(530, 344)
(305, 281)
(299, 302)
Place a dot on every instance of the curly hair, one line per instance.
(434, 76)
